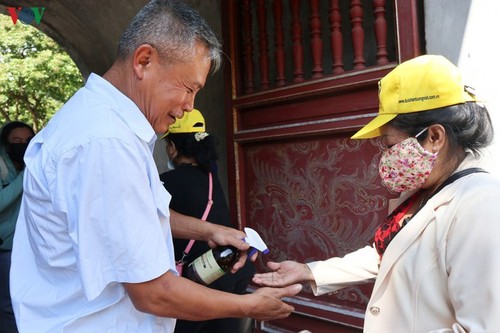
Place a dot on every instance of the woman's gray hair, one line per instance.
(173, 29)
(467, 125)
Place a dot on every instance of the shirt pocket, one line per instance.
(162, 200)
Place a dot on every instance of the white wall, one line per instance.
(466, 32)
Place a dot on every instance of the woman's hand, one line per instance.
(283, 274)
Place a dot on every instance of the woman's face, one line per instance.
(405, 164)
(18, 140)
(390, 136)
(20, 135)
(434, 143)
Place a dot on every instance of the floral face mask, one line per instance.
(406, 165)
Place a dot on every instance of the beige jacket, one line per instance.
(440, 273)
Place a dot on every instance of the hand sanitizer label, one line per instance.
(207, 268)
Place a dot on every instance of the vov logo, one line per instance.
(26, 14)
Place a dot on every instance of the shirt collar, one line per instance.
(124, 107)
(470, 161)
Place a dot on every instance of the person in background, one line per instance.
(435, 259)
(193, 154)
(14, 138)
(93, 247)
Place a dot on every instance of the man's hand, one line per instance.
(221, 235)
(283, 274)
(188, 227)
(172, 296)
(268, 304)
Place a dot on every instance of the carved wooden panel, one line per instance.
(314, 198)
(302, 79)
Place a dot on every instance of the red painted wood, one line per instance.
(233, 86)
(279, 41)
(410, 40)
(301, 66)
(247, 46)
(358, 34)
(333, 87)
(263, 47)
(380, 31)
(312, 198)
(336, 38)
(293, 172)
(326, 106)
(297, 47)
(316, 40)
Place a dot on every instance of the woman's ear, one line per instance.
(436, 137)
(171, 150)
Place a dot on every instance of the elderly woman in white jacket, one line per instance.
(435, 260)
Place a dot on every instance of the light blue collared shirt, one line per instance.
(94, 215)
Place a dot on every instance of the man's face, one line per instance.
(169, 89)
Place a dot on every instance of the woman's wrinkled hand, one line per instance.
(283, 274)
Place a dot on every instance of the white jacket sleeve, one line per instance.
(336, 273)
(473, 257)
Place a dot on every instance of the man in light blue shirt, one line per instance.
(93, 245)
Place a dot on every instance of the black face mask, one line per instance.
(16, 151)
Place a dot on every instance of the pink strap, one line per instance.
(210, 202)
(205, 214)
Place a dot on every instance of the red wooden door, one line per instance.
(302, 79)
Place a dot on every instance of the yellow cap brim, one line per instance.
(372, 129)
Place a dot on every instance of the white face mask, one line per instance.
(406, 165)
(170, 164)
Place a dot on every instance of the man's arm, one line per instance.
(177, 297)
(188, 227)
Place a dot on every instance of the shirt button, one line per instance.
(374, 310)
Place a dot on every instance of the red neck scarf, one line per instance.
(392, 225)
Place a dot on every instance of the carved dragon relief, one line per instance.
(311, 200)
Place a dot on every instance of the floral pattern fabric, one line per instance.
(393, 224)
(406, 165)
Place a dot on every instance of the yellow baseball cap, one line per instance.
(191, 122)
(423, 83)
